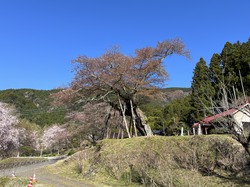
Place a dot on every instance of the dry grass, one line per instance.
(159, 161)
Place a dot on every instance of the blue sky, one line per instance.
(39, 38)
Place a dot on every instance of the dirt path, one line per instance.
(42, 176)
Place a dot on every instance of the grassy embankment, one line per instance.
(214, 160)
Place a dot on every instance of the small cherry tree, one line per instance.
(53, 137)
(9, 140)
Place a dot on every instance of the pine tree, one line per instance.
(202, 92)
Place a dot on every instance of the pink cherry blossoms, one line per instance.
(53, 137)
(9, 140)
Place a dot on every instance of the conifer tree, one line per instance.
(202, 91)
(235, 60)
(245, 65)
(216, 76)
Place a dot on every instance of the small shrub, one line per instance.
(79, 167)
(27, 151)
(71, 152)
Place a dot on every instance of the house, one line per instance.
(240, 115)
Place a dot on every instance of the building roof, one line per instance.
(222, 114)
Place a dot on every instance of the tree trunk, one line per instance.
(41, 151)
(142, 123)
(123, 109)
(58, 151)
(133, 117)
(118, 134)
(106, 120)
(122, 135)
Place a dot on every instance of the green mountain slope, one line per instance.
(34, 105)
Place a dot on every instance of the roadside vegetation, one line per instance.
(10, 182)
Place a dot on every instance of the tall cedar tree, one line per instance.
(118, 79)
(202, 92)
(245, 63)
(230, 65)
(216, 77)
(235, 61)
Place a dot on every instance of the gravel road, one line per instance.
(42, 176)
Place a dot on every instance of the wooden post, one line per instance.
(206, 130)
(181, 131)
(199, 130)
(133, 117)
(123, 109)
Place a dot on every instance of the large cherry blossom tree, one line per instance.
(119, 79)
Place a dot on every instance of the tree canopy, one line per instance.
(118, 79)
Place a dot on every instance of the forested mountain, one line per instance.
(34, 105)
(37, 105)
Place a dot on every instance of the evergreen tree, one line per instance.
(229, 57)
(245, 65)
(178, 108)
(216, 77)
(235, 60)
(202, 92)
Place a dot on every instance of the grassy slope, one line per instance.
(159, 161)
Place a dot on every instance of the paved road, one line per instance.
(42, 176)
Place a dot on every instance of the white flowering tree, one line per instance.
(30, 135)
(53, 137)
(9, 140)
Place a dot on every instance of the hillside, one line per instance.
(34, 105)
(160, 161)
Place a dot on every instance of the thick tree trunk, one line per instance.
(142, 123)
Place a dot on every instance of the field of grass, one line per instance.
(214, 160)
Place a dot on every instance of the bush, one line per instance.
(28, 151)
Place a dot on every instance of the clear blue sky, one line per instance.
(39, 38)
